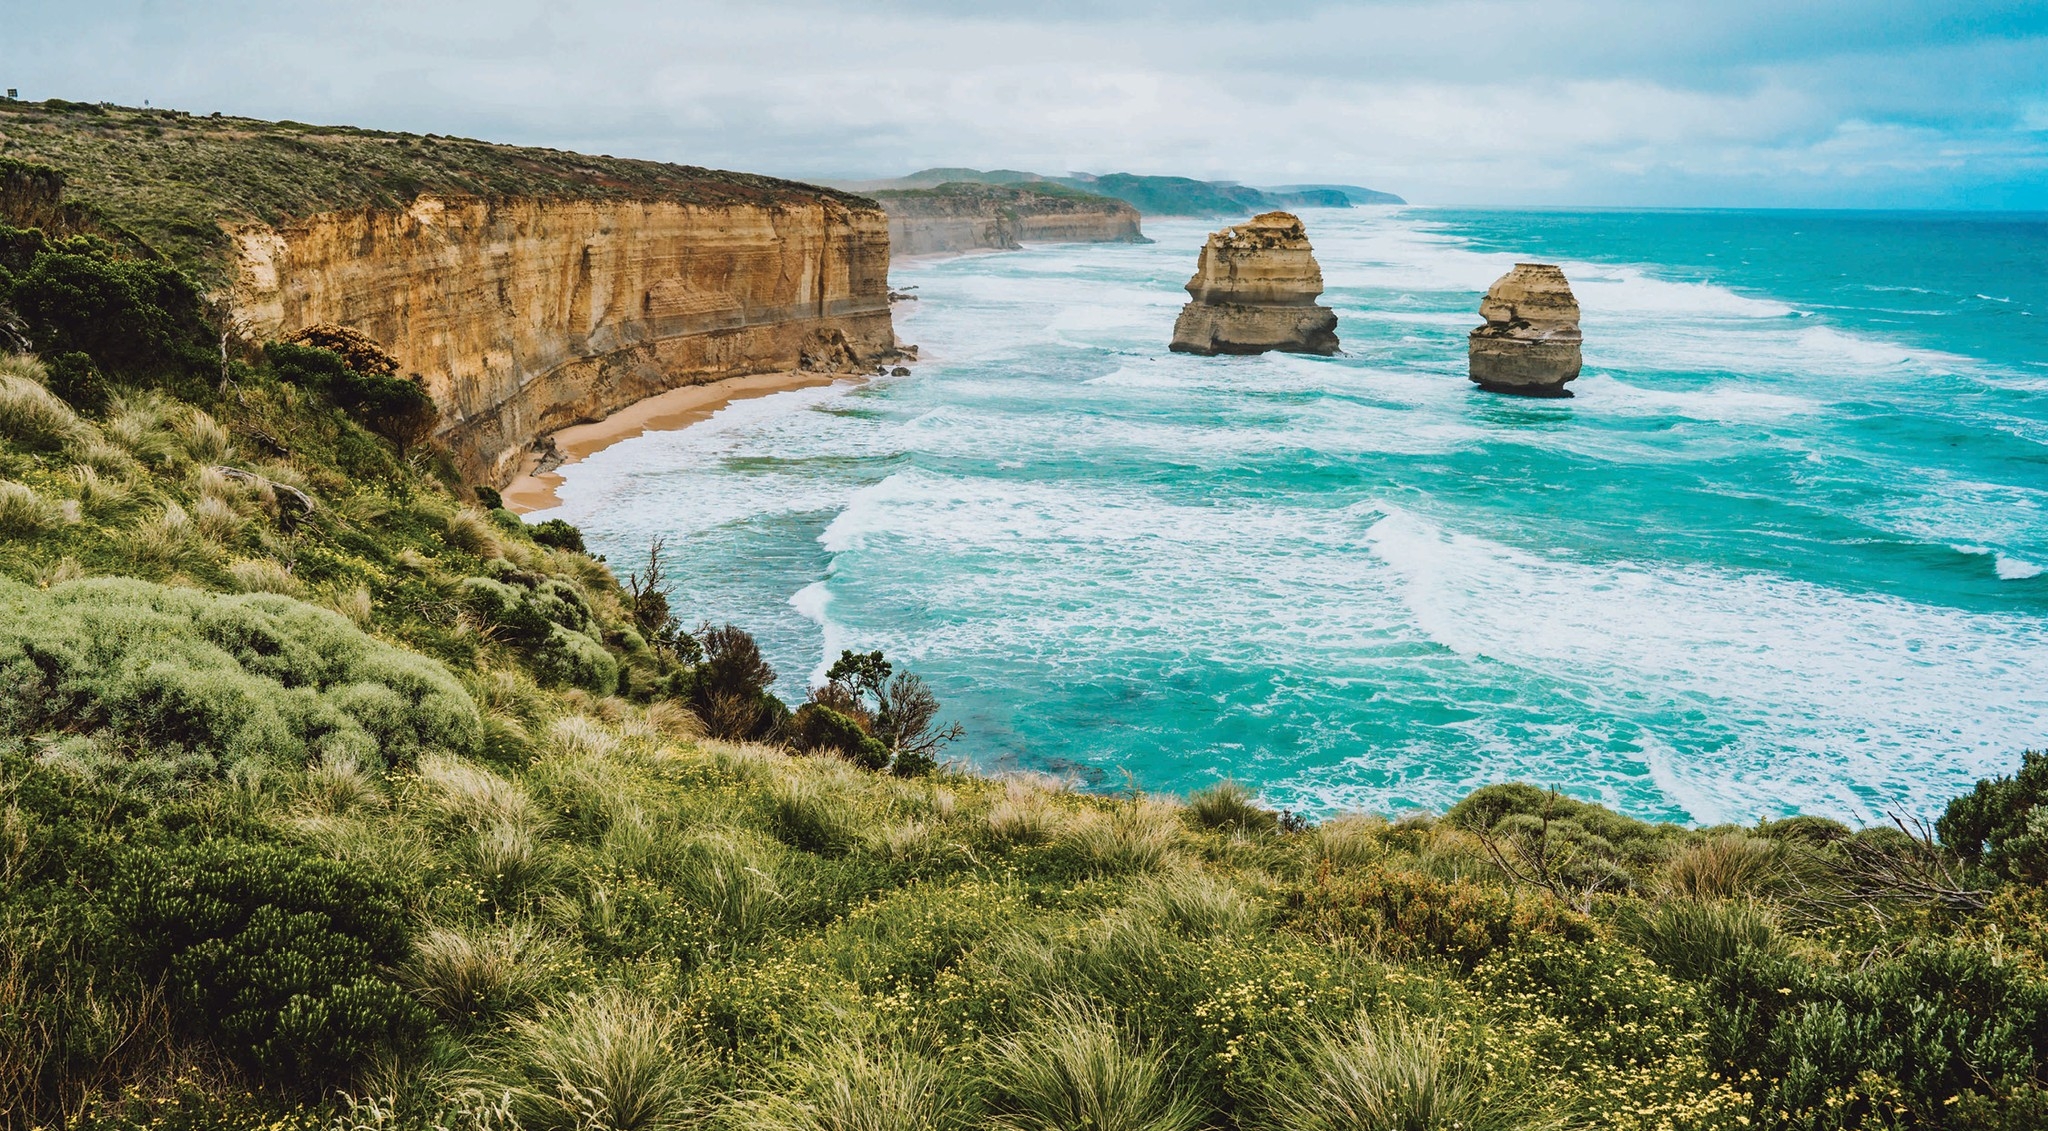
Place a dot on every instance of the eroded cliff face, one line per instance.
(527, 316)
(958, 217)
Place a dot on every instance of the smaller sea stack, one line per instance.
(1254, 290)
(1530, 343)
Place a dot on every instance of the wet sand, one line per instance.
(535, 489)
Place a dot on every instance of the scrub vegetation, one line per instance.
(332, 796)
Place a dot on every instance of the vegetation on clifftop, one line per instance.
(332, 796)
(170, 179)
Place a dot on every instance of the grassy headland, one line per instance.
(170, 178)
(332, 797)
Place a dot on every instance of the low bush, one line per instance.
(256, 677)
(274, 954)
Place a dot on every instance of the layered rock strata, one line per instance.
(1254, 290)
(1530, 344)
(527, 315)
(971, 217)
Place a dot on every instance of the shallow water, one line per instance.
(1782, 552)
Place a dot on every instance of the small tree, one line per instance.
(651, 615)
(730, 691)
(907, 723)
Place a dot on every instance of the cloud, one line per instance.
(1893, 102)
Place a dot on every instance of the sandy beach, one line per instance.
(678, 408)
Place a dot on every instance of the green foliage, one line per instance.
(729, 689)
(1073, 1067)
(1229, 805)
(2001, 822)
(273, 954)
(161, 673)
(139, 322)
(818, 727)
(396, 408)
(1407, 914)
(550, 620)
(1390, 1071)
(557, 534)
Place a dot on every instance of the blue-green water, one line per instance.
(1783, 551)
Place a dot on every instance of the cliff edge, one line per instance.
(529, 288)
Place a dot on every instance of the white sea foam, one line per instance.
(2013, 569)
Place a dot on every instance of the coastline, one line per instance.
(534, 488)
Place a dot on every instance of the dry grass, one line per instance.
(1138, 837)
(1073, 1067)
(354, 604)
(613, 1060)
(476, 798)
(31, 415)
(339, 784)
(1022, 816)
(479, 973)
(204, 439)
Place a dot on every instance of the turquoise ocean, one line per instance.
(1783, 551)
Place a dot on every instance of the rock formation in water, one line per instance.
(1254, 290)
(1530, 343)
(956, 217)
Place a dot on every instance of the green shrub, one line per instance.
(2001, 824)
(272, 953)
(729, 689)
(818, 727)
(1405, 914)
(141, 322)
(158, 670)
(557, 534)
(1692, 940)
(550, 621)
(396, 408)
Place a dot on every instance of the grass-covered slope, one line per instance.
(171, 179)
(332, 797)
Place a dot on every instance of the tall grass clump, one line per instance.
(1197, 905)
(1392, 1072)
(30, 415)
(482, 973)
(1073, 1067)
(613, 1060)
(1693, 939)
(1136, 837)
(1229, 805)
(809, 817)
(1022, 816)
(23, 512)
(849, 1085)
(1728, 866)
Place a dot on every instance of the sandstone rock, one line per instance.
(962, 216)
(1530, 343)
(527, 315)
(1255, 290)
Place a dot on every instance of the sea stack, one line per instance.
(1530, 343)
(1254, 290)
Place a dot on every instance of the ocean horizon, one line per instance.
(1782, 552)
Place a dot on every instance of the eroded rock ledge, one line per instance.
(1255, 290)
(1530, 344)
(525, 316)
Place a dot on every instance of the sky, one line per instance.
(1733, 103)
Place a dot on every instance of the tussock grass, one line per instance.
(97, 491)
(355, 604)
(1023, 816)
(1391, 1071)
(339, 784)
(23, 512)
(612, 1060)
(1230, 805)
(809, 816)
(164, 538)
(481, 973)
(30, 415)
(1073, 1067)
(472, 532)
(854, 1086)
(264, 575)
(1138, 837)
(1692, 939)
(476, 798)
(204, 439)
(1198, 905)
(1729, 866)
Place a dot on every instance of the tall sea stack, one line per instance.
(1254, 290)
(1530, 343)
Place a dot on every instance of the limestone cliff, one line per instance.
(526, 316)
(1530, 343)
(530, 288)
(959, 217)
(1254, 290)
